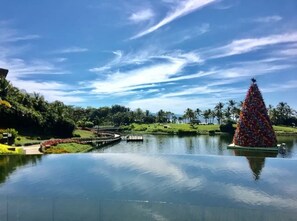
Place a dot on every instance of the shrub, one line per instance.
(186, 132)
(212, 132)
(227, 128)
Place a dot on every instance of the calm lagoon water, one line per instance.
(201, 145)
(159, 182)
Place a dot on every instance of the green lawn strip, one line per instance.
(25, 140)
(4, 150)
(284, 129)
(200, 129)
(69, 148)
(83, 133)
(173, 128)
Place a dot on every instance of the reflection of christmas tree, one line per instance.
(254, 128)
(256, 160)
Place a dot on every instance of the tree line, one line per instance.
(31, 112)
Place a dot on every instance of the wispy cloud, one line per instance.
(11, 35)
(215, 85)
(166, 68)
(142, 15)
(21, 38)
(73, 49)
(251, 44)
(21, 68)
(268, 19)
(181, 9)
(147, 55)
(190, 33)
(273, 88)
(51, 90)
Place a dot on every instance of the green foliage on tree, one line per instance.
(31, 113)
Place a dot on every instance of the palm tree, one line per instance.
(189, 114)
(219, 112)
(206, 115)
(212, 115)
(284, 111)
(197, 114)
(231, 105)
(161, 118)
(227, 112)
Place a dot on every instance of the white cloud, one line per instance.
(288, 52)
(119, 82)
(20, 68)
(284, 86)
(191, 33)
(60, 59)
(251, 44)
(51, 90)
(216, 85)
(10, 35)
(143, 15)
(73, 49)
(162, 71)
(21, 38)
(144, 56)
(268, 19)
(182, 8)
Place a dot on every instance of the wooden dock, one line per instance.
(134, 138)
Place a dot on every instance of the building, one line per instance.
(3, 73)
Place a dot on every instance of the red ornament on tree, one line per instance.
(254, 128)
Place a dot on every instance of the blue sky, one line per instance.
(169, 54)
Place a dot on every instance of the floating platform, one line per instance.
(134, 138)
(262, 149)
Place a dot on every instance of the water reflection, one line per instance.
(160, 187)
(9, 164)
(202, 144)
(256, 160)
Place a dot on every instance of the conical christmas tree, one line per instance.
(254, 128)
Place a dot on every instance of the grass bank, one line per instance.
(69, 148)
(285, 131)
(184, 129)
(83, 133)
(180, 129)
(27, 140)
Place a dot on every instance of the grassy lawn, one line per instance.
(25, 140)
(284, 129)
(174, 128)
(199, 129)
(83, 133)
(69, 148)
(4, 150)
